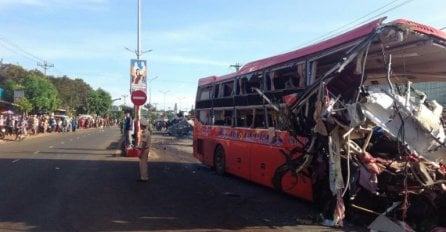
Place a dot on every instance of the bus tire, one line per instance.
(219, 160)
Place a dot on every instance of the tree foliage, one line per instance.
(42, 94)
(12, 72)
(9, 87)
(25, 104)
(46, 94)
(72, 93)
(98, 102)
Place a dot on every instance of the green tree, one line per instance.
(91, 102)
(72, 93)
(42, 94)
(98, 102)
(12, 72)
(105, 102)
(10, 86)
(25, 105)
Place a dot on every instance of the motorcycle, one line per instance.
(20, 134)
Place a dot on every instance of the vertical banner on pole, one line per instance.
(138, 75)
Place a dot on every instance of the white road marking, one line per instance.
(15, 161)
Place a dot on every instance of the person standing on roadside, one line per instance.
(128, 128)
(146, 140)
(10, 123)
(2, 121)
(74, 124)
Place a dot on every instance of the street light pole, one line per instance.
(164, 92)
(113, 100)
(150, 85)
(179, 104)
(125, 97)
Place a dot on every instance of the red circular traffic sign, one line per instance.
(138, 97)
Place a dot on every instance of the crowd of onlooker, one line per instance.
(18, 125)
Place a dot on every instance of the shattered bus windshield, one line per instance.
(340, 123)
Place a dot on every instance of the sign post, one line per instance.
(138, 97)
(138, 80)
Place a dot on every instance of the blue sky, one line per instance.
(190, 39)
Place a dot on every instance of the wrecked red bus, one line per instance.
(339, 123)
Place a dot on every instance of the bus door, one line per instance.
(239, 151)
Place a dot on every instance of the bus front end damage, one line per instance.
(377, 143)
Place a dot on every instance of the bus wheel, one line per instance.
(219, 160)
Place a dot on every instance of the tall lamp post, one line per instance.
(179, 104)
(164, 99)
(111, 107)
(124, 96)
(138, 52)
(149, 83)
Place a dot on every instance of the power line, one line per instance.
(11, 46)
(15, 51)
(356, 23)
(342, 28)
(18, 50)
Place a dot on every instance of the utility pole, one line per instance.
(236, 66)
(164, 92)
(45, 66)
(149, 83)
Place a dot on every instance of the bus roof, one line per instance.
(338, 40)
(324, 45)
(421, 28)
(206, 80)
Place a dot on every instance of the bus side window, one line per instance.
(301, 75)
(204, 117)
(228, 89)
(268, 82)
(244, 118)
(216, 91)
(218, 118)
(205, 93)
(272, 118)
(228, 118)
(272, 77)
(259, 120)
(287, 80)
(254, 82)
(241, 86)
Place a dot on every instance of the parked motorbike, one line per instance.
(20, 134)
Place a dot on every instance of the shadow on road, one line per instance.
(66, 195)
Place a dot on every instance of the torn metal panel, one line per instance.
(414, 125)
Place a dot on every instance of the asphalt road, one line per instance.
(79, 182)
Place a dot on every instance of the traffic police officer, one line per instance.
(145, 149)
